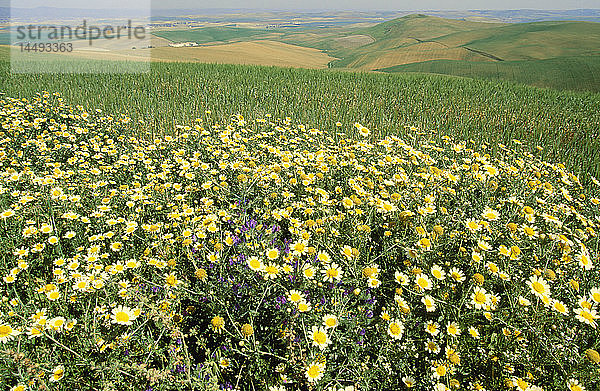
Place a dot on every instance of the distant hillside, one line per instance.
(559, 54)
(412, 39)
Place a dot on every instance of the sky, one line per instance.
(391, 5)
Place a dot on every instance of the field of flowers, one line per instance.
(264, 254)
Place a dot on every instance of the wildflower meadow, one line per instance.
(265, 254)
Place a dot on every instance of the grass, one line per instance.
(566, 124)
(565, 73)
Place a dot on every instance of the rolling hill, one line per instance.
(563, 55)
(436, 38)
(556, 54)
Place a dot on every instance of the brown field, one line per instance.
(261, 52)
(425, 51)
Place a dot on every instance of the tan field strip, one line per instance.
(249, 53)
(417, 53)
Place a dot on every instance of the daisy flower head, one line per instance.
(402, 304)
(587, 316)
(272, 254)
(319, 337)
(584, 302)
(432, 347)
(411, 253)
(132, 264)
(490, 214)
(57, 323)
(299, 248)
(247, 330)
(438, 272)
(304, 306)
(439, 370)
(429, 303)
(9, 278)
(171, 280)
(224, 362)
(254, 263)
(408, 381)
(53, 295)
(453, 329)
(348, 251)
(593, 356)
(330, 321)
(472, 225)
(57, 374)
(371, 271)
(452, 355)
(492, 267)
(295, 296)
(560, 307)
(314, 371)
(217, 323)
(34, 331)
(520, 384)
(213, 257)
(332, 272)
(401, 278)
(395, 329)
(424, 243)
(363, 131)
(477, 256)
(385, 315)
(201, 274)
(7, 332)
(432, 328)
(457, 275)
(386, 207)
(574, 385)
(595, 295)
(479, 298)
(539, 286)
(323, 257)
(585, 260)
(524, 301)
(374, 283)
(122, 315)
(7, 213)
(271, 271)
(474, 332)
(423, 282)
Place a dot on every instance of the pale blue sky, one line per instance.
(402, 5)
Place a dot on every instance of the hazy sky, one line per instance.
(402, 5)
